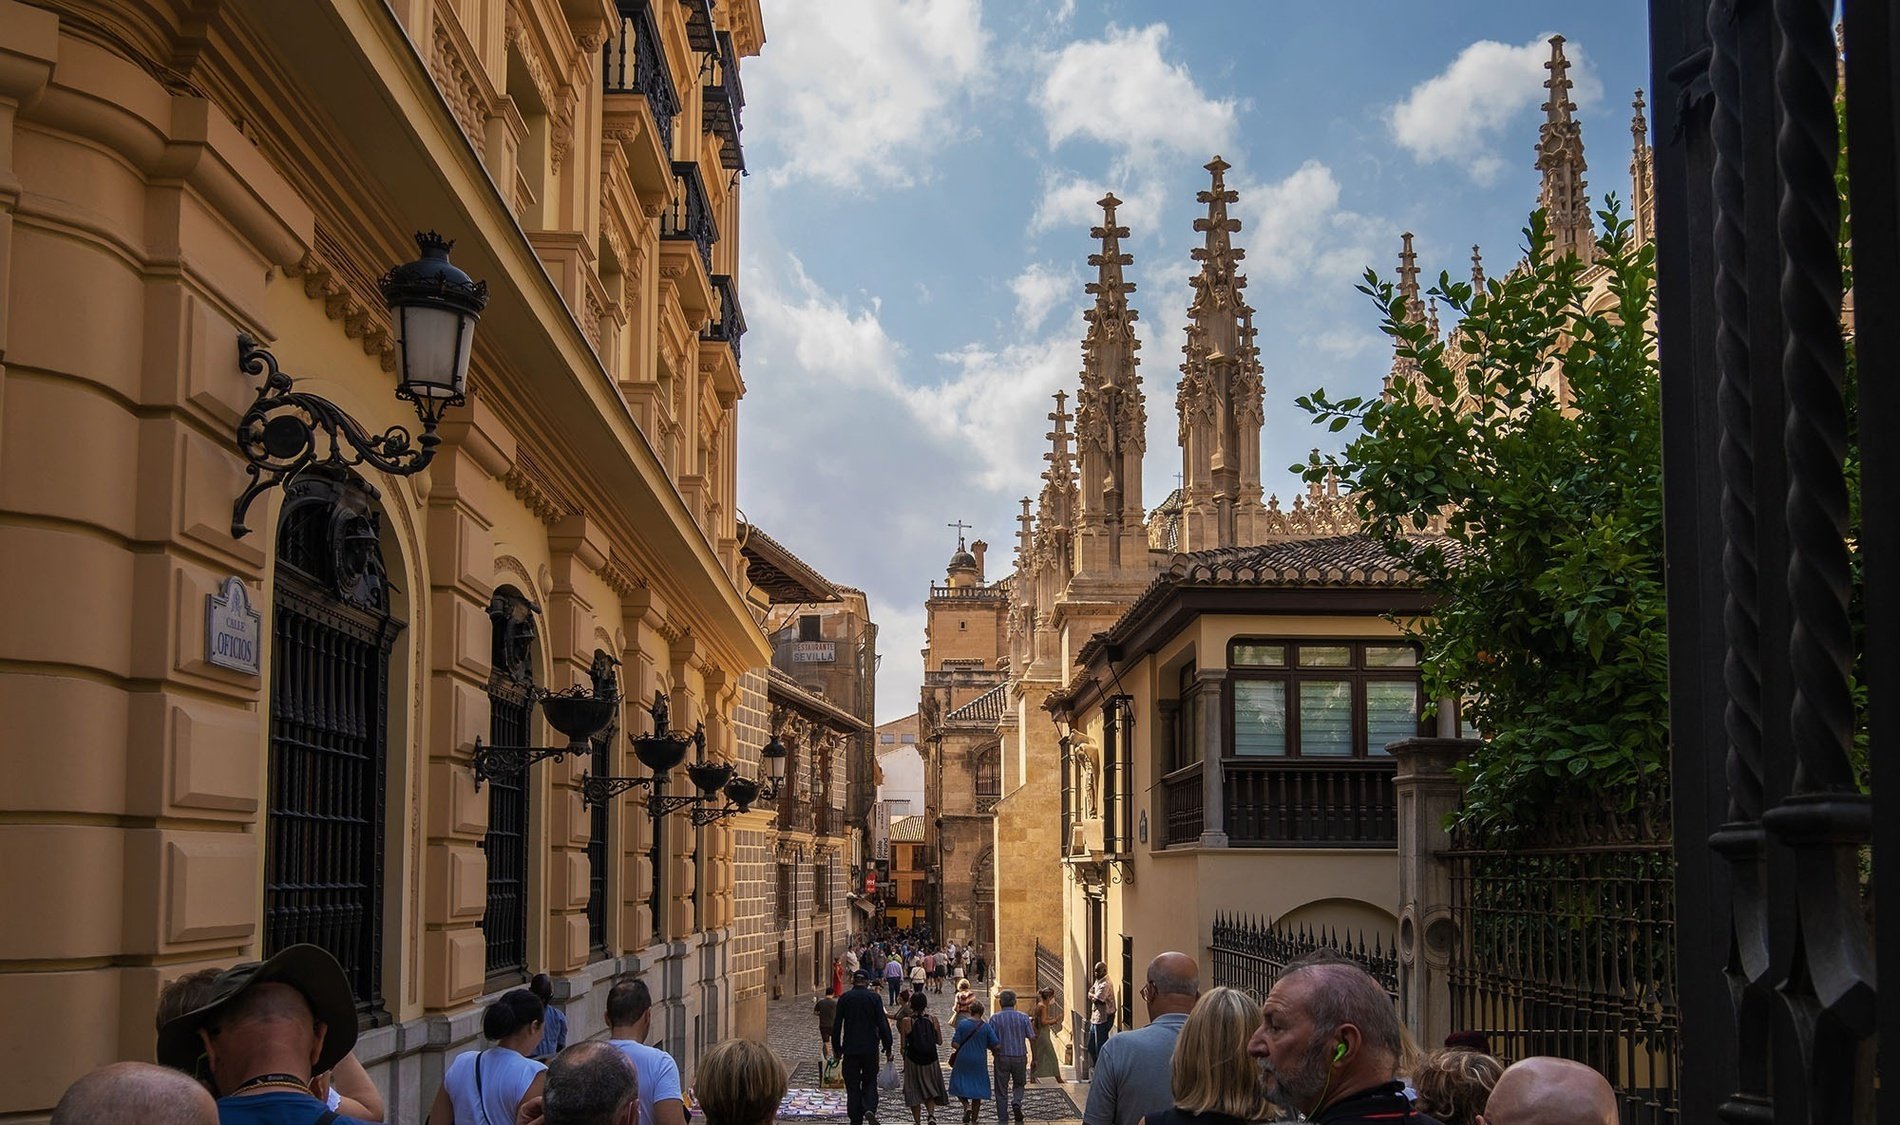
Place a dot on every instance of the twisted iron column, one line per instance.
(1739, 840)
(1829, 994)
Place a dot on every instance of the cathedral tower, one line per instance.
(1111, 418)
(1221, 401)
(1560, 159)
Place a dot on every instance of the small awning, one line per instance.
(864, 904)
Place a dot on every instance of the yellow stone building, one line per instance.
(174, 174)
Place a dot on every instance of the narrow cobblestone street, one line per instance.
(792, 1033)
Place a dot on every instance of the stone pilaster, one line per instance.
(1426, 794)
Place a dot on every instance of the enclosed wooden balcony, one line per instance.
(1289, 803)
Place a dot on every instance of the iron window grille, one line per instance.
(333, 633)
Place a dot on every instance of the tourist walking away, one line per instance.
(970, 1061)
(1048, 1016)
(1101, 1012)
(1454, 1084)
(629, 1021)
(1330, 1038)
(1011, 1032)
(921, 1035)
(919, 975)
(263, 1031)
(1214, 1081)
(837, 976)
(136, 1092)
(553, 1020)
(965, 994)
(739, 1082)
(893, 976)
(859, 1033)
(826, 1009)
(1550, 1091)
(588, 1084)
(1132, 1077)
(489, 1085)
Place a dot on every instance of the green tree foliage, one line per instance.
(1549, 577)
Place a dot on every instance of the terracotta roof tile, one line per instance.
(907, 830)
(985, 708)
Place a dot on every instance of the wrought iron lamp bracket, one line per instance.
(286, 431)
(599, 789)
(705, 816)
(490, 762)
(666, 804)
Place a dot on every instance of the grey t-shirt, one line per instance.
(1134, 1073)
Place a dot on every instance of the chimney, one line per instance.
(977, 548)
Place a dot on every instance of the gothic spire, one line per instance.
(1220, 401)
(1560, 159)
(1111, 414)
(1477, 270)
(1642, 179)
(1408, 279)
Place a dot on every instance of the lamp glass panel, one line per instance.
(435, 350)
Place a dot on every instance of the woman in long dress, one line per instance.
(970, 1061)
(1048, 1018)
(921, 1035)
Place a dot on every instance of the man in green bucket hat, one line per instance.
(266, 1028)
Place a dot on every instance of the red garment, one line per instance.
(837, 977)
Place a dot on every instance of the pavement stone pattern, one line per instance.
(791, 1031)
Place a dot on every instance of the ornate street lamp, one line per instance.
(579, 713)
(663, 751)
(286, 431)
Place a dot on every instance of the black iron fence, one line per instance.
(1048, 969)
(632, 62)
(1251, 953)
(1566, 947)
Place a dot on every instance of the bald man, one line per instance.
(133, 1091)
(1133, 1073)
(1550, 1091)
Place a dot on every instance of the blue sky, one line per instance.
(924, 176)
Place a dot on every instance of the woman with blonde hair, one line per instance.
(965, 994)
(1454, 1084)
(740, 1082)
(1215, 1081)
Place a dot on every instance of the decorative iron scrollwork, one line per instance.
(286, 432)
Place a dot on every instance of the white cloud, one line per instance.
(1072, 202)
(1456, 114)
(1295, 231)
(1039, 289)
(995, 402)
(824, 335)
(908, 60)
(1121, 91)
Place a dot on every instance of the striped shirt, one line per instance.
(1013, 1032)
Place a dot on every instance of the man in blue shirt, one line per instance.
(855, 1038)
(1012, 1031)
(553, 1022)
(267, 1027)
(1133, 1076)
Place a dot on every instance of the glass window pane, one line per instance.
(1391, 656)
(1259, 717)
(1325, 718)
(1325, 656)
(1259, 656)
(1392, 710)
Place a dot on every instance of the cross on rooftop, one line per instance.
(961, 528)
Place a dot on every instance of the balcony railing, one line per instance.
(1311, 802)
(724, 99)
(973, 593)
(633, 62)
(690, 216)
(1182, 799)
(986, 802)
(728, 322)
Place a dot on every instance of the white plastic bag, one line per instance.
(889, 1078)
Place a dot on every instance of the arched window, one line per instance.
(989, 778)
(332, 634)
(510, 709)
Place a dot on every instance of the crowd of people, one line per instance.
(270, 1043)
(907, 957)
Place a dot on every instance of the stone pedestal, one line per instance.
(1427, 793)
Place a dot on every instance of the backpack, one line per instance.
(920, 1042)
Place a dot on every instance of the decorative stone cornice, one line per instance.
(348, 294)
(455, 75)
(532, 487)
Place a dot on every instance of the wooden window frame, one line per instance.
(1292, 674)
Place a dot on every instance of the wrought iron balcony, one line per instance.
(724, 99)
(690, 216)
(634, 62)
(728, 322)
(699, 25)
